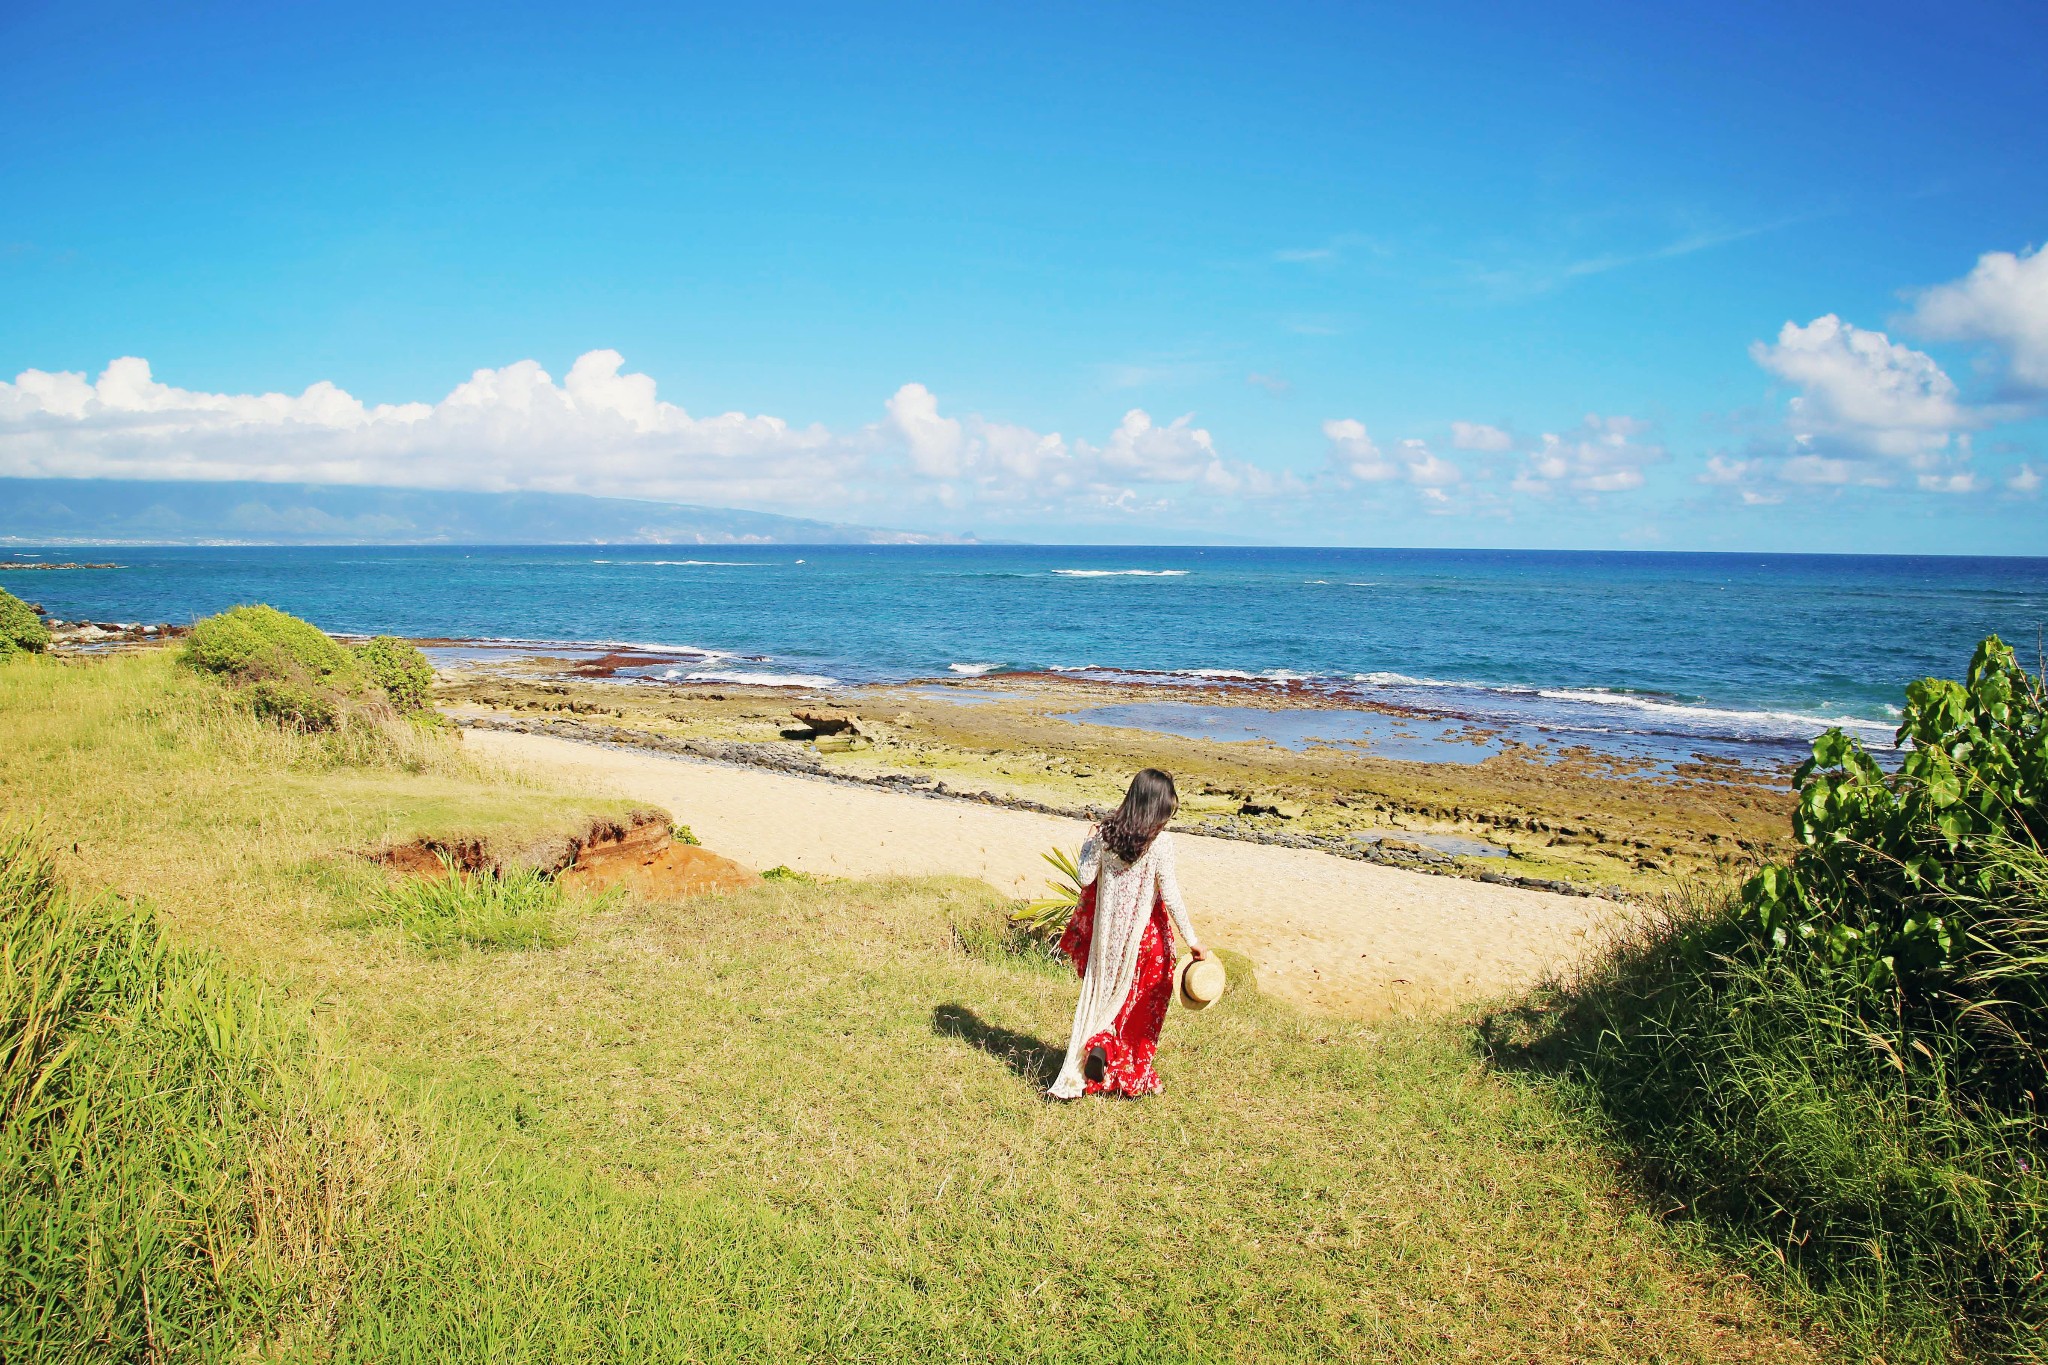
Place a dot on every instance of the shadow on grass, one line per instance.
(1032, 1059)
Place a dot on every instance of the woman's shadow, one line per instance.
(1033, 1059)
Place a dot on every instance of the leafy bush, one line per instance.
(21, 630)
(295, 706)
(1913, 886)
(1838, 1071)
(399, 669)
(480, 909)
(255, 642)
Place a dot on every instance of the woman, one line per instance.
(1119, 941)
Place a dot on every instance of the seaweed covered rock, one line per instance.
(21, 630)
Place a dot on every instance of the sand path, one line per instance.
(1326, 932)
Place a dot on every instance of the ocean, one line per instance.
(1744, 654)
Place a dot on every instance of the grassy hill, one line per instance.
(801, 1120)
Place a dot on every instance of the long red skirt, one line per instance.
(1133, 1040)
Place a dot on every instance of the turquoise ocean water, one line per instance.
(1637, 652)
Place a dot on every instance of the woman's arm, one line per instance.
(1091, 858)
(1169, 891)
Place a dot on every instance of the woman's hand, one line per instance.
(1201, 954)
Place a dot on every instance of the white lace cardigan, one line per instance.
(1124, 893)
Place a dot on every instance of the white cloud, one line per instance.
(1356, 458)
(2004, 301)
(1963, 482)
(1863, 395)
(1480, 436)
(1723, 471)
(934, 441)
(1355, 455)
(600, 430)
(1602, 456)
(2025, 480)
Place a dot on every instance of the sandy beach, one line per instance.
(1328, 933)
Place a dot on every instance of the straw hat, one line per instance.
(1201, 982)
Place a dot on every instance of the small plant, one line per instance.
(1046, 918)
(784, 874)
(682, 835)
(479, 909)
(21, 630)
(398, 668)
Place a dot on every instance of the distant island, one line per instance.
(162, 512)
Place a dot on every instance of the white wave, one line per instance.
(973, 670)
(1595, 697)
(1121, 573)
(1386, 679)
(707, 563)
(764, 679)
(638, 646)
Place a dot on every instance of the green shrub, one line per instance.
(21, 630)
(1900, 875)
(399, 669)
(295, 706)
(479, 909)
(1839, 1072)
(255, 642)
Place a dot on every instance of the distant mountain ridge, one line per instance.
(163, 512)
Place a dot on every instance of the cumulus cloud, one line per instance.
(600, 430)
(1863, 395)
(1603, 455)
(2003, 301)
(1725, 472)
(2024, 480)
(1354, 457)
(1479, 436)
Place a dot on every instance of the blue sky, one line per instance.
(1310, 274)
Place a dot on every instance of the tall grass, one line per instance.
(173, 1185)
(488, 910)
(1843, 1159)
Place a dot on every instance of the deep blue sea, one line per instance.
(1759, 650)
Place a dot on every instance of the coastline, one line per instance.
(1560, 819)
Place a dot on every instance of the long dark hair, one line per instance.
(1147, 806)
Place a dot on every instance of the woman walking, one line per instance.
(1119, 940)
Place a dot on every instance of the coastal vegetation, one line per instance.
(798, 1120)
(1837, 1071)
(21, 630)
(296, 674)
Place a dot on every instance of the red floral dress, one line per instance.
(1133, 1040)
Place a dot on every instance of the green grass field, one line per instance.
(799, 1121)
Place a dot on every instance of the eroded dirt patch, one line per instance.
(639, 853)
